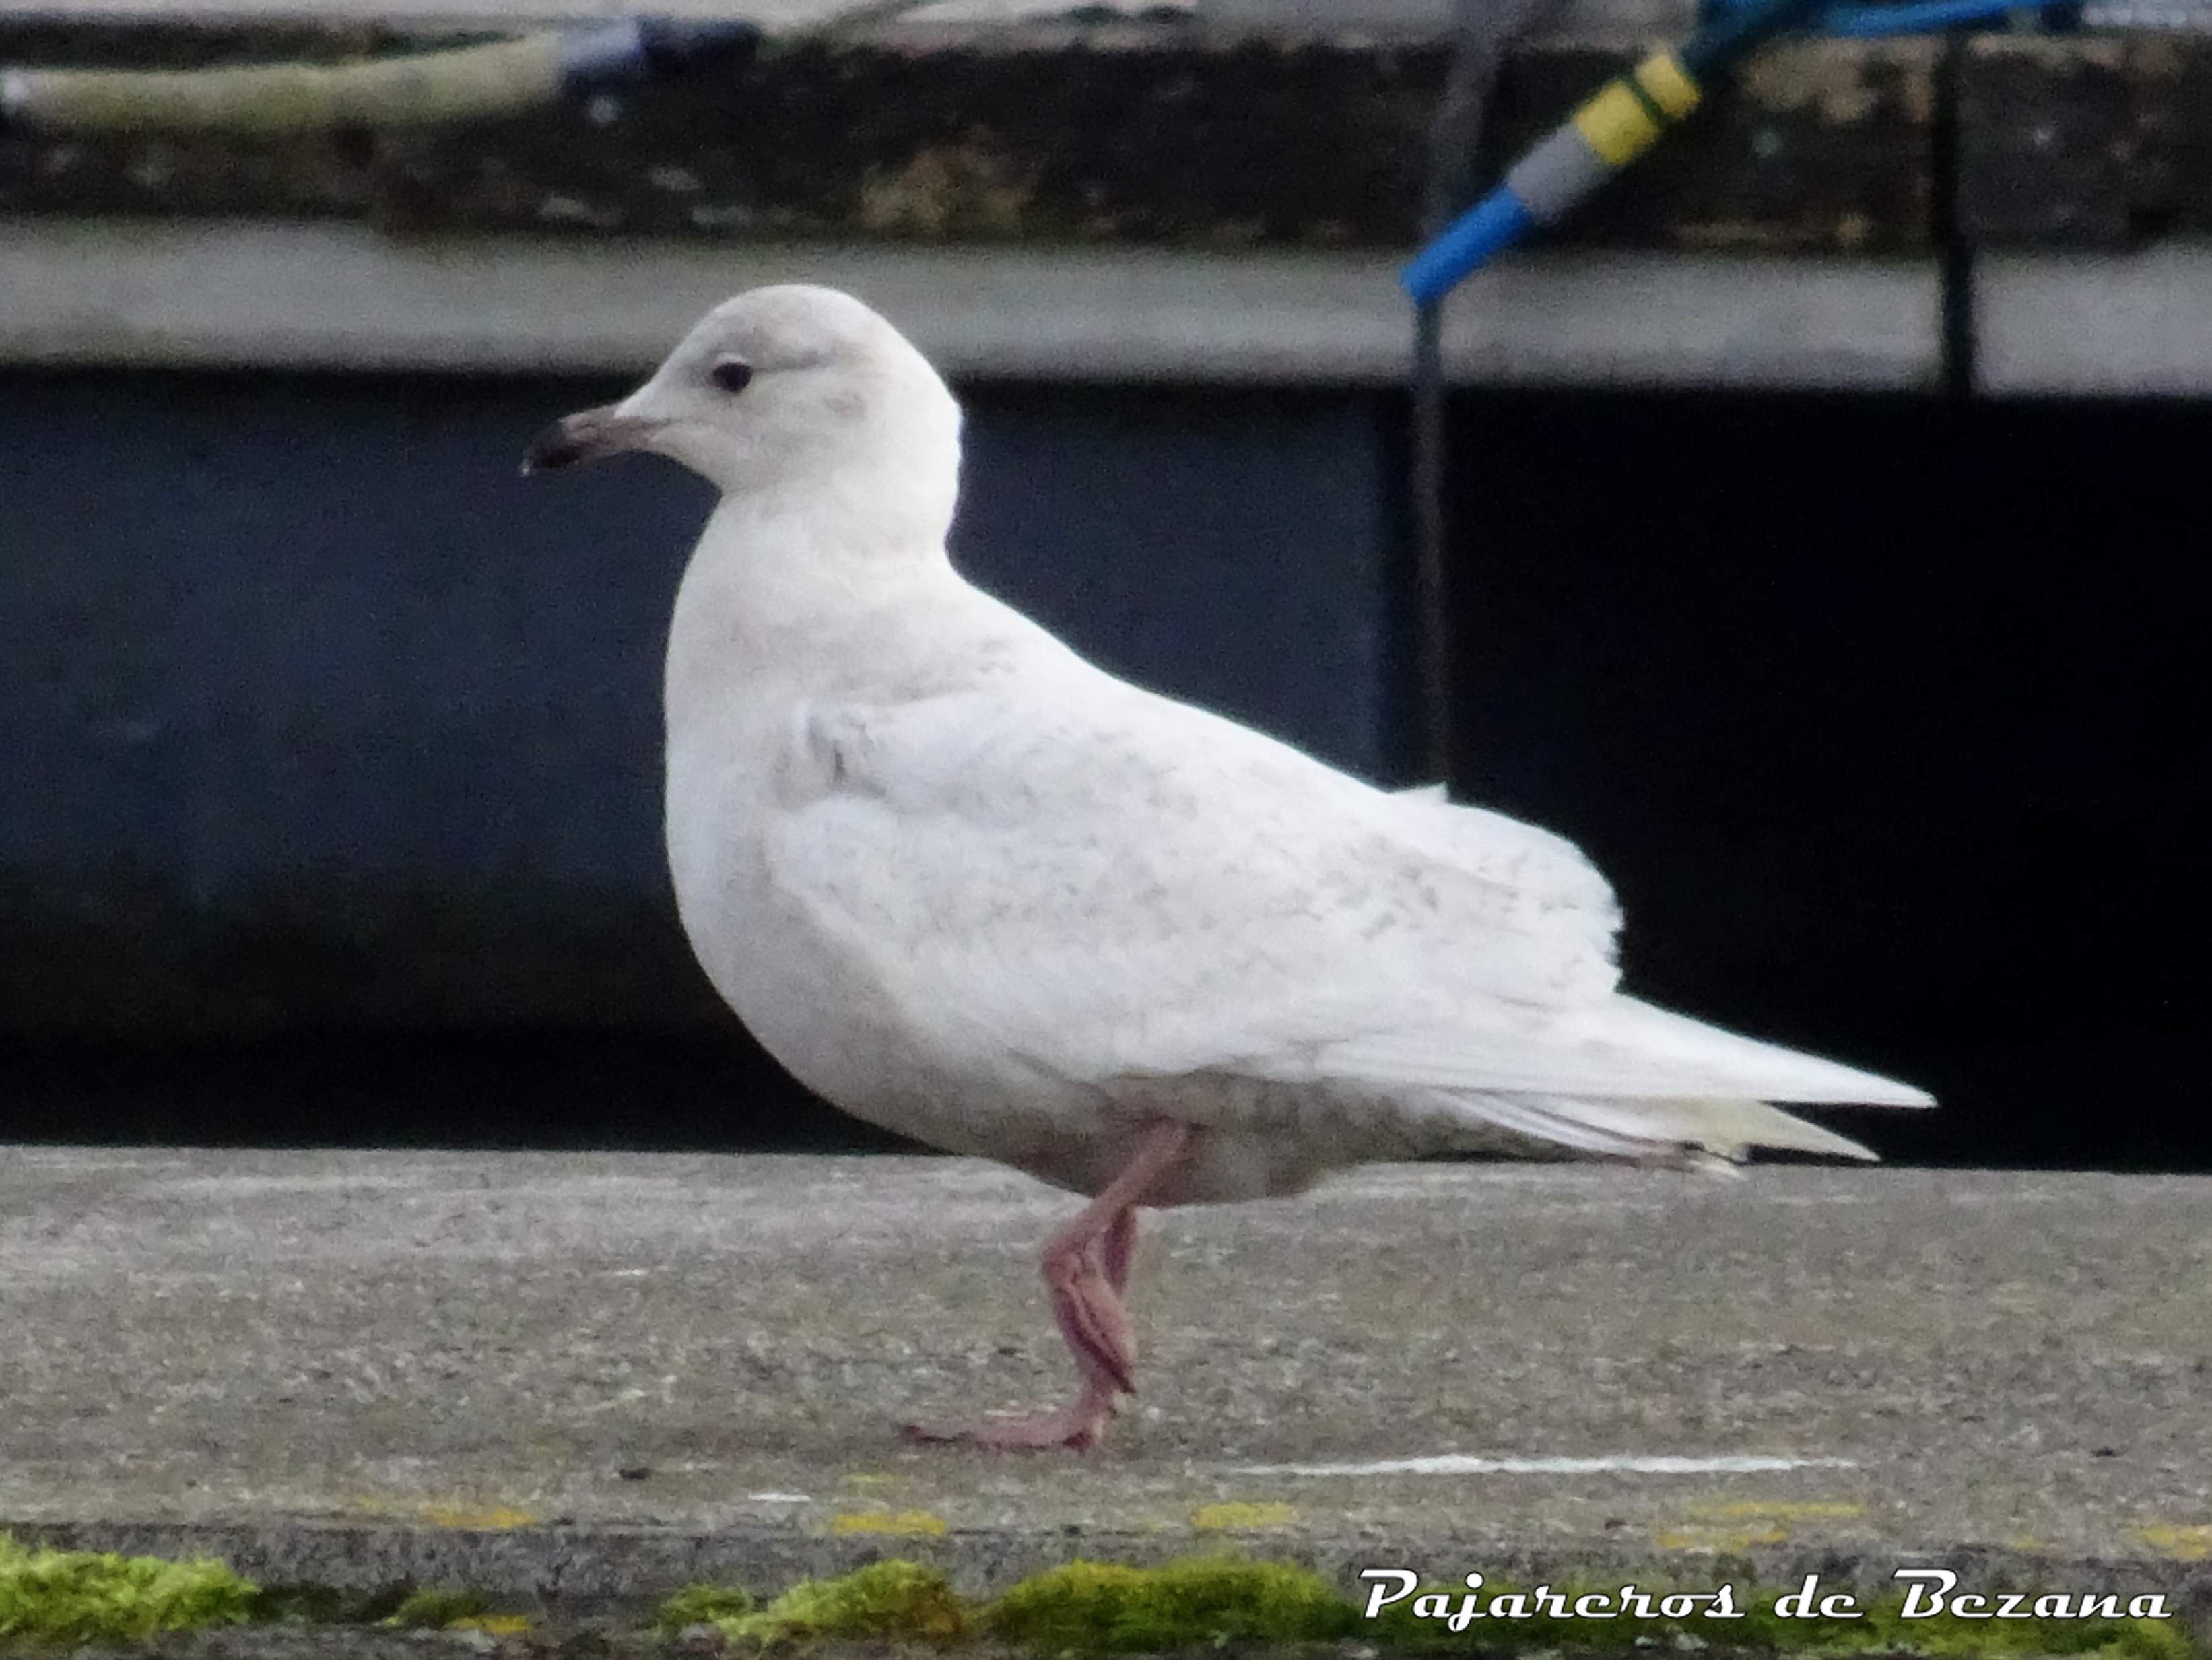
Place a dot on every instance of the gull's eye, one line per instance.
(731, 373)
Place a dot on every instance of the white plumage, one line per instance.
(970, 886)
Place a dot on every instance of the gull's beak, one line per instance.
(589, 436)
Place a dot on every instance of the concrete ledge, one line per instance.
(587, 1379)
(255, 294)
(2127, 325)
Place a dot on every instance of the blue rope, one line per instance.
(1617, 124)
(1921, 16)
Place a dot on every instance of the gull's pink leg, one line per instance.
(1116, 1248)
(1085, 1266)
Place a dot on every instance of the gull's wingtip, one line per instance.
(1890, 1094)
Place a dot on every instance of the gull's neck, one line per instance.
(788, 581)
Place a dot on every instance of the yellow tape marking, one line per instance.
(460, 1516)
(1241, 1518)
(1740, 1524)
(1615, 124)
(498, 1625)
(908, 1523)
(1663, 76)
(2184, 1544)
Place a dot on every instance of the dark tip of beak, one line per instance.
(588, 436)
(556, 447)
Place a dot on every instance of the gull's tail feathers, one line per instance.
(1713, 1134)
(1618, 1049)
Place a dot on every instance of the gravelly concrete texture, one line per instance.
(588, 1378)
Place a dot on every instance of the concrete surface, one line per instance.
(587, 1378)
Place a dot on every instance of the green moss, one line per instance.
(1183, 1604)
(884, 1599)
(83, 1596)
(428, 1610)
(702, 1605)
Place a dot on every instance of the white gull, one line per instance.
(969, 886)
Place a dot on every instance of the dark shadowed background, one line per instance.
(334, 815)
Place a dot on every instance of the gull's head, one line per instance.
(789, 386)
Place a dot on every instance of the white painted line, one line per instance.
(781, 1498)
(1461, 1463)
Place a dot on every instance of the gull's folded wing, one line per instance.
(1107, 884)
